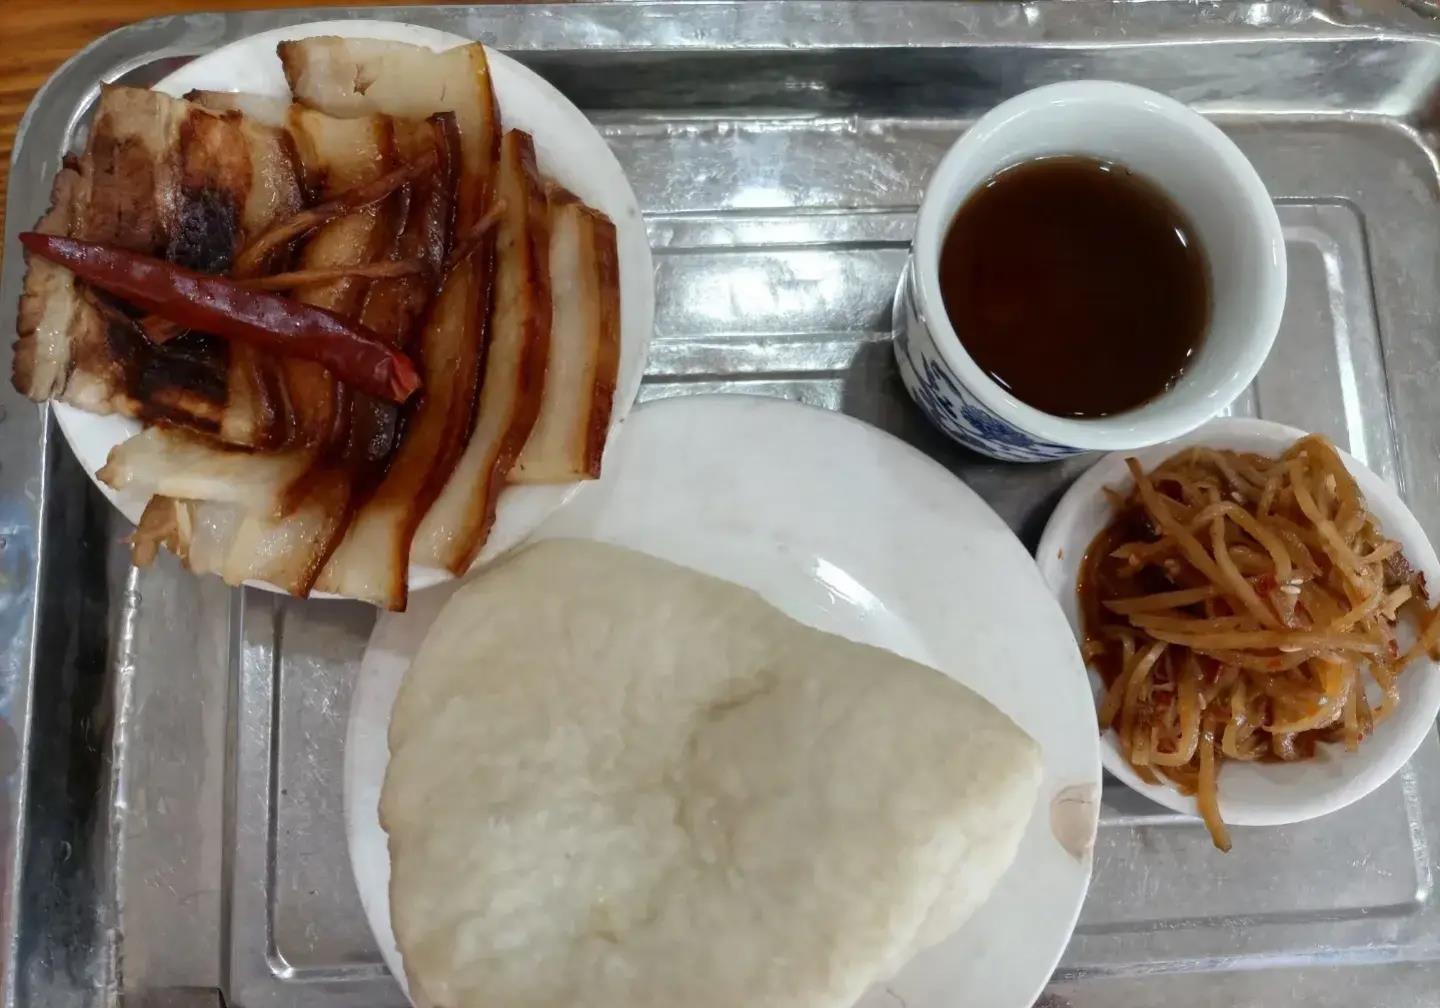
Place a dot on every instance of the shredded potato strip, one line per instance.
(1160, 510)
(1188, 713)
(1239, 608)
(1161, 600)
(1207, 796)
(1347, 562)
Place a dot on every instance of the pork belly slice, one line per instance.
(287, 527)
(372, 561)
(347, 435)
(351, 77)
(170, 462)
(355, 77)
(284, 531)
(48, 306)
(337, 155)
(255, 383)
(569, 435)
(265, 110)
(199, 533)
(458, 523)
(395, 307)
(164, 177)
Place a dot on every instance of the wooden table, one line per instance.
(36, 36)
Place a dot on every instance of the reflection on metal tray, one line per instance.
(175, 747)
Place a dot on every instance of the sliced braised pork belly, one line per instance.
(347, 434)
(164, 177)
(289, 518)
(354, 77)
(386, 194)
(458, 523)
(372, 560)
(569, 435)
(264, 110)
(48, 306)
(170, 462)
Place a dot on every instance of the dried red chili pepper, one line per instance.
(228, 308)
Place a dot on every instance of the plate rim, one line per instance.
(1057, 542)
(627, 215)
(1066, 910)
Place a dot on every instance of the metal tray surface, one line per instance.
(171, 749)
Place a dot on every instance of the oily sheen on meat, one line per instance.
(618, 783)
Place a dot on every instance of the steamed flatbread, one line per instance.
(618, 783)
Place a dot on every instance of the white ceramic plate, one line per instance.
(1258, 794)
(855, 532)
(568, 148)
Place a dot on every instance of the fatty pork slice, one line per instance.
(347, 434)
(198, 533)
(48, 307)
(371, 562)
(286, 543)
(357, 77)
(393, 306)
(266, 110)
(351, 77)
(168, 178)
(337, 155)
(338, 436)
(171, 462)
(569, 435)
(254, 373)
(258, 410)
(455, 529)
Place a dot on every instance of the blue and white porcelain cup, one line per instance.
(1206, 176)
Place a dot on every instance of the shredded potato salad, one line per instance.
(1247, 608)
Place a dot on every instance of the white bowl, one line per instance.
(1191, 161)
(1259, 794)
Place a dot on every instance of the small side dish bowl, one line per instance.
(1203, 173)
(1259, 794)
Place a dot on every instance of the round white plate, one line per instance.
(1257, 794)
(854, 532)
(569, 149)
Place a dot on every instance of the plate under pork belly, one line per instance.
(384, 195)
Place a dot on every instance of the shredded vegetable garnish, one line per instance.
(1240, 607)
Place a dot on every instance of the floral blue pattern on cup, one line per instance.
(946, 401)
(1183, 153)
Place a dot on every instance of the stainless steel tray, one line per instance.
(172, 749)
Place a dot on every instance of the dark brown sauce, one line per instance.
(1076, 284)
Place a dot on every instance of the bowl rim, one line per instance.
(1065, 537)
(1160, 419)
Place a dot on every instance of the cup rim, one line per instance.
(1158, 419)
